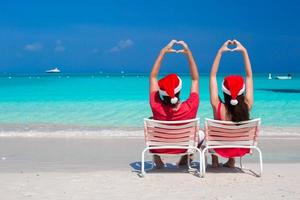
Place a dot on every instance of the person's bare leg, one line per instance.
(214, 161)
(158, 162)
(184, 160)
(230, 163)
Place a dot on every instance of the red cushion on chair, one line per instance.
(168, 151)
(232, 152)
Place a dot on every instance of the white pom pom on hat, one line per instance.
(174, 100)
(234, 102)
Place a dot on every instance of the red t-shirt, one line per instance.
(187, 110)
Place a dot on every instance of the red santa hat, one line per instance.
(233, 86)
(169, 86)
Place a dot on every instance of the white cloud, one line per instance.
(114, 49)
(123, 44)
(33, 46)
(59, 46)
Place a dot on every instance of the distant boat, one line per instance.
(288, 77)
(270, 76)
(55, 70)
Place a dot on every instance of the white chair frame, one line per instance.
(181, 134)
(227, 134)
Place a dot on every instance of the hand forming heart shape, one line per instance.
(232, 45)
(182, 43)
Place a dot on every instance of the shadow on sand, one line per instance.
(173, 168)
(169, 167)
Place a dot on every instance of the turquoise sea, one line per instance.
(121, 101)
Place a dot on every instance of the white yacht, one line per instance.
(288, 77)
(55, 70)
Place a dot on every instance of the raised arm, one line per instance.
(213, 85)
(156, 66)
(248, 70)
(193, 67)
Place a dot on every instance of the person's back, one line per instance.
(238, 100)
(165, 96)
(183, 111)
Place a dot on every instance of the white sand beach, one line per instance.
(81, 81)
(106, 168)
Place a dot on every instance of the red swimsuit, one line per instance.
(229, 152)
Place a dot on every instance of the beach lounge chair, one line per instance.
(227, 134)
(170, 135)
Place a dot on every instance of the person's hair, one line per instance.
(167, 100)
(239, 112)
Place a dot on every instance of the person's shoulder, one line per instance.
(193, 100)
(194, 96)
(154, 93)
(155, 99)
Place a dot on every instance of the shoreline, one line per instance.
(50, 130)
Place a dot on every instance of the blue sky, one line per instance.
(92, 36)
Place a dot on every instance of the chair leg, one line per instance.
(260, 162)
(143, 163)
(203, 162)
(241, 165)
(200, 163)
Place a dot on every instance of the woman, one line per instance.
(165, 96)
(238, 99)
